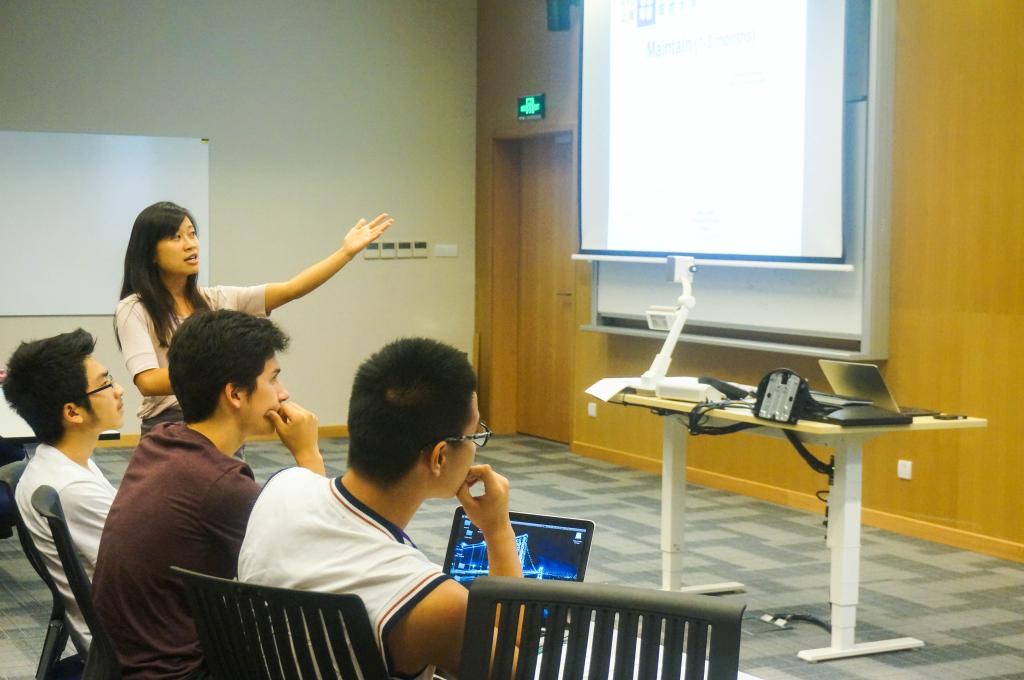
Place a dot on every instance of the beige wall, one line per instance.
(957, 304)
(317, 112)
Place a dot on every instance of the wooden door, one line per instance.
(547, 239)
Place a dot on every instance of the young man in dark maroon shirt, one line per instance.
(185, 499)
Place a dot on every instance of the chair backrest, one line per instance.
(8, 507)
(261, 632)
(102, 660)
(574, 630)
(57, 629)
(10, 475)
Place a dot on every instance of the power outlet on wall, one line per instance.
(592, 410)
(904, 469)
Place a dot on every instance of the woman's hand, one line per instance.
(312, 277)
(365, 233)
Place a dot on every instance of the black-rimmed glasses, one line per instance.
(101, 388)
(479, 438)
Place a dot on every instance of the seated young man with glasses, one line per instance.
(68, 398)
(414, 427)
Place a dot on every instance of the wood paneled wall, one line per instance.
(957, 294)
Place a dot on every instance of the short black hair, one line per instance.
(43, 375)
(213, 349)
(409, 395)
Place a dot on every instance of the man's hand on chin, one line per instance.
(298, 430)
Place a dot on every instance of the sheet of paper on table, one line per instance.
(606, 388)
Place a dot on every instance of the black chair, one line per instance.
(58, 630)
(260, 632)
(615, 631)
(9, 453)
(101, 663)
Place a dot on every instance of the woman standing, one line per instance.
(159, 291)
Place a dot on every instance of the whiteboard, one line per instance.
(68, 205)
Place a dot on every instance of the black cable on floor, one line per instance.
(783, 620)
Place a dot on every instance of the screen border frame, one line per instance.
(855, 22)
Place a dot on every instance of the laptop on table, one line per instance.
(555, 548)
(865, 388)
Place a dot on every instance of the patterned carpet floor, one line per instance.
(967, 607)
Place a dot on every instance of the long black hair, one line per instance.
(141, 274)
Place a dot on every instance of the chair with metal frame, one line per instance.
(58, 630)
(568, 628)
(9, 453)
(260, 632)
(101, 663)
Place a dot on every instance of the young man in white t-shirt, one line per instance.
(68, 398)
(414, 427)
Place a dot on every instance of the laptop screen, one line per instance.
(862, 381)
(555, 548)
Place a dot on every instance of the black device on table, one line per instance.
(731, 391)
(784, 396)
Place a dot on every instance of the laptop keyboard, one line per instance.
(832, 402)
(837, 400)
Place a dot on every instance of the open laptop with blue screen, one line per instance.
(555, 548)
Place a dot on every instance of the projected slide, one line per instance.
(706, 130)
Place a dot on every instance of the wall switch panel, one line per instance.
(405, 249)
(446, 250)
(387, 250)
(372, 252)
(419, 248)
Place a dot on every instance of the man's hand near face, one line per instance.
(298, 430)
(415, 641)
(489, 511)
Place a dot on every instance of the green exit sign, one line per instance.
(531, 107)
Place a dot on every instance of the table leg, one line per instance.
(844, 546)
(673, 503)
(673, 512)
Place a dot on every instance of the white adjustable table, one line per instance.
(844, 507)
